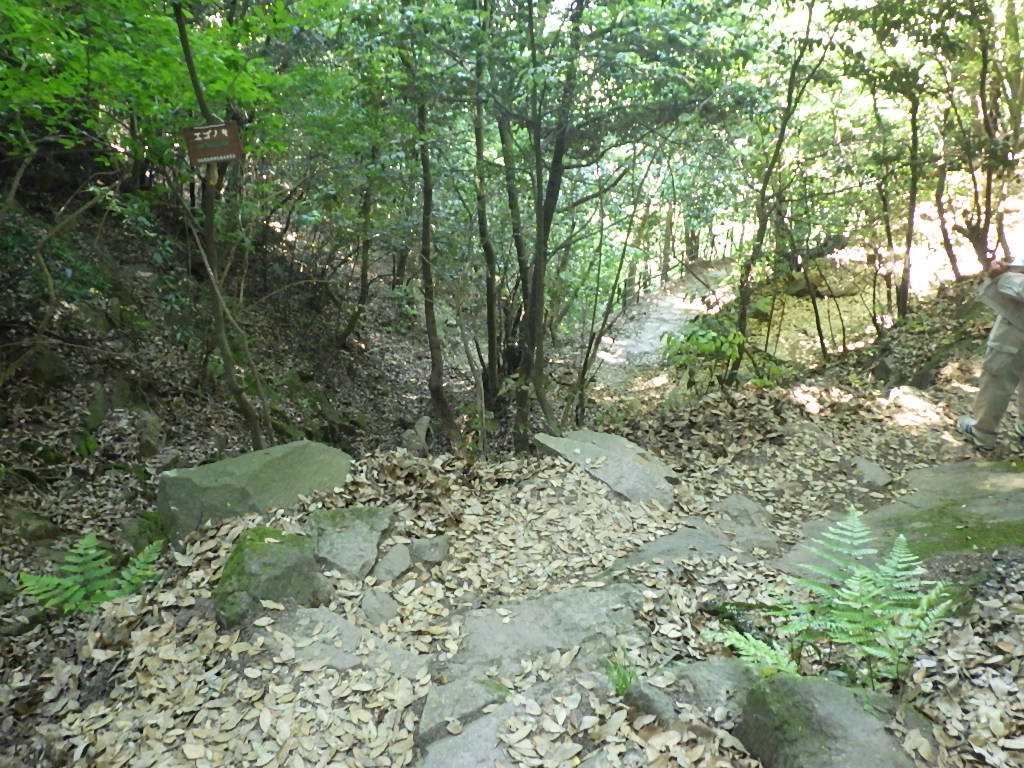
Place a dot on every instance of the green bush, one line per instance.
(703, 352)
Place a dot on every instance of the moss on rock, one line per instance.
(267, 564)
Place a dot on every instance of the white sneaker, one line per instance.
(965, 425)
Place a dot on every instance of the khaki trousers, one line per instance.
(1002, 372)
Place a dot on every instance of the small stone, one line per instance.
(393, 563)
(646, 698)
(29, 525)
(347, 539)
(378, 606)
(430, 551)
(8, 589)
(870, 474)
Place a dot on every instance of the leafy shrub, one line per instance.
(865, 621)
(86, 578)
(703, 352)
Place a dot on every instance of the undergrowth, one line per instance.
(862, 622)
(86, 578)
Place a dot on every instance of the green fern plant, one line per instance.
(86, 578)
(864, 620)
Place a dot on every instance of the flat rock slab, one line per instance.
(747, 524)
(460, 700)
(480, 744)
(502, 637)
(628, 469)
(958, 507)
(337, 642)
(694, 538)
(254, 482)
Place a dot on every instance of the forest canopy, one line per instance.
(519, 170)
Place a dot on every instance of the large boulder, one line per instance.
(783, 720)
(623, 465)
(253, 482)
(267, 564)
(810, 722)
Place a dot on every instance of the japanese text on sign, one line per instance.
(213, 143)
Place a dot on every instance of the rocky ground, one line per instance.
(504, 646)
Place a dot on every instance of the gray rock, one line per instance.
(461, 700)
(625, 467)
(393, 563)
(347, 539)
(99, 407)
(267, 564)
(150, 430)
(558, 621)
(478, 746)
(378, 606)
(253, 482)
(29, 525)
(415, 439)
(810, 722)
(46, 366)
(430, 551)
(715, 683)
(870, 474)
(653, 701)
(694, 537)
(973, 507)
(747, 523)
(339, 642)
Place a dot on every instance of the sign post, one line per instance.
(217, 143)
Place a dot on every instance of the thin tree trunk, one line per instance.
(208, 250)
(435, 382)
(666, 243)
(364, 249)
(903, 290)
(545, 204)
(795, 89)
(490, 374)
(940, 199)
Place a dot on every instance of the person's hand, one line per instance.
(996, 268)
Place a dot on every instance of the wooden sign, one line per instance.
(213, 143)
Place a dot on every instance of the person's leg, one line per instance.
(1002, 371)
(1020, 408)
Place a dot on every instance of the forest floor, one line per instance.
(80, 690)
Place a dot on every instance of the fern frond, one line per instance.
(86, 578)
(757, 651)
(139, 569)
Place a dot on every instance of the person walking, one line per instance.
(1002, 370)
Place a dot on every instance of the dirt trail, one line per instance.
(631, 353)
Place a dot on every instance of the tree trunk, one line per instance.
(435, 381)
(364, 250)
(490, 373)
(210, 255)
(667, 243)
(903, 290)
(531, 370)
